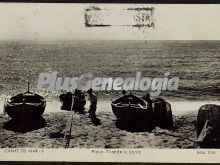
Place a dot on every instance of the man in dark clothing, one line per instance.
(79, 101)
(123, 92)
(151, 119)
(93, 103)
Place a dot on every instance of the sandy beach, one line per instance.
(86, 135)
(106, 134)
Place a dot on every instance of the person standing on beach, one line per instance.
(93, 103)
(151, 119)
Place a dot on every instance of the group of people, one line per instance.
(93, 100)
(75, 101)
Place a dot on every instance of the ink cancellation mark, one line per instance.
(134, 17)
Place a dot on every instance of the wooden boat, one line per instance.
(131, 107)
(72, 100)
(25, 105)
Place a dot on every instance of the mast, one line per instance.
(28, 86)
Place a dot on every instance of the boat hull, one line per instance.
(25, 110)
(130, 107)
(131, 112)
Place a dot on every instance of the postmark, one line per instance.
(140, 17)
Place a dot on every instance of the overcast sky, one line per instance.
(66, 21)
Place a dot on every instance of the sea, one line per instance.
(196, 63)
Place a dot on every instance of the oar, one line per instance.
(28, 87)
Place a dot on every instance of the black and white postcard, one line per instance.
(110, 82)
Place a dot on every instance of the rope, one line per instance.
(69, 137)
(70, 129)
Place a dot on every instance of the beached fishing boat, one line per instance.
(25, 105)
(131, 107)
(73, 101)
